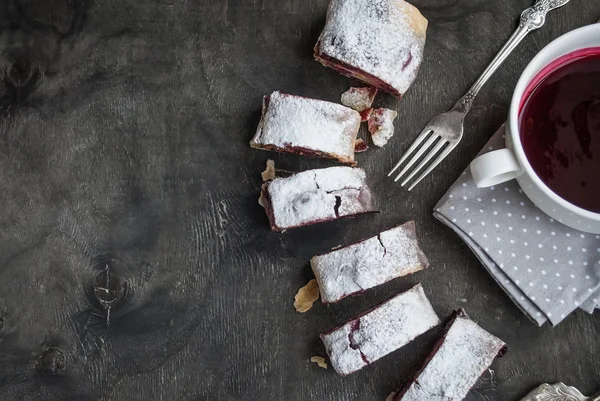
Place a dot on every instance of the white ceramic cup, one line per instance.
(506, 164)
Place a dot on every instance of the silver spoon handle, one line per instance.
(558, 391)
(531, 19)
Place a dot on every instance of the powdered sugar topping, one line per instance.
(381, 126)
(384, 329)
(466, 352)
(369, 263)
(290, 121)
(384, 38)
(319, 195)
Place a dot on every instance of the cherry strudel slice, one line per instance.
(457, 361)
(356, 268)
(304, 126)
(379, 42)
(380, 331)
(316, 196)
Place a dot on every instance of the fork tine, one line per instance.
(433, 165)
(412, 148)
(438, 146)
(417, 155)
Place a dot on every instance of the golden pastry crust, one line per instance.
(306, 296)
(319, 360)
(269, 173)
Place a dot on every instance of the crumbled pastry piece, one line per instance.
(391, 397)
(319, 360)
(306, 296)
(381, 126)
(316, 196)
(311, 127)
(366, 114)
(359, 99)
(379, 331)
(366, 264)
(455, 364)
(379, 42)
(269, 173)
(360, 146)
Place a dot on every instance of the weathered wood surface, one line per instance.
(124, 143)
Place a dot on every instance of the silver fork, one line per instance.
(445, 131)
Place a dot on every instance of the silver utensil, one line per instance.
(445, 131)
(557, 392)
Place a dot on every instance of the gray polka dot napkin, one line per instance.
(546, 268)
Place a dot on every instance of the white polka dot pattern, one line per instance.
(547, 268)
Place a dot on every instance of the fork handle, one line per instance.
(531, 19)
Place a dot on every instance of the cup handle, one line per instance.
(495, 168)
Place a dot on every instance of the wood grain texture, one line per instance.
(124, 162)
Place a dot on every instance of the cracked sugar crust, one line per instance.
(380, 42)
(381, 126)
(359, 99)
(465, 352)
(296, 124)
(355, 268)
(380, 331)
(315, 196)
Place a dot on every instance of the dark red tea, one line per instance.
(560, 127)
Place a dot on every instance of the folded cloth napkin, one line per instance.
(546, 268)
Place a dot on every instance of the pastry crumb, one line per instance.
(359, 99)
(360, 146)
(391, 397)
(319, 360)
(381, 126)
(269, 173)
(306, 296)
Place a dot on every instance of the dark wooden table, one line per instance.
(124, 136)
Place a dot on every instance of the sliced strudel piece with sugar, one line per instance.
(457, 361)
(310, 127)
(315, 196)
(355, 268)
(379, 42)
(380, 331)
